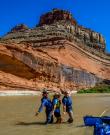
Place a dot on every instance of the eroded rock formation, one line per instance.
(58, 53)
(18, 28)
(58, 24)
(56, 15)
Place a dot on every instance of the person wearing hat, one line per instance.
(67, 105)
(46, 102)
(56, 107)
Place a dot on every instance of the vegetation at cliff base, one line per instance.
(97, 89)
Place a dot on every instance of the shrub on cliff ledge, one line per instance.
(98, 89)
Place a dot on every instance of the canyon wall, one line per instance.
(56, 54)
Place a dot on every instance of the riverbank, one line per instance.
(19, 93)
(97, 89)
(24, 92)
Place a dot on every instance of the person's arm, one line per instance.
(64, 109)
(64, 106)
(41, 107)
(54, 106)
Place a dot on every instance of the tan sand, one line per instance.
(17, 115)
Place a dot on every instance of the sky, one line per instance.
(93, 14)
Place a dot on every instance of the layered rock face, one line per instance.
(58, 53)
(58, 24)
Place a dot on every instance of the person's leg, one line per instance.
(49, 118)
(46, 122)
(55, 114)
(70, 113)
(58, 117)
(46, 117)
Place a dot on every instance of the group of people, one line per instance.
(53, 107)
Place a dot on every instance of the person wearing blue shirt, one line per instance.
(46, 102)
(56, 107)
(67, 105)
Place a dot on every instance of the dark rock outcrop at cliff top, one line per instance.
(18, 28)
(55, 16)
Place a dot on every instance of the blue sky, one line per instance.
(94, 14)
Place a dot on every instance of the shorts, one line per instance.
(57, 114)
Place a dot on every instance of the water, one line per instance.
(17, 115)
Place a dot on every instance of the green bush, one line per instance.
(97, 89)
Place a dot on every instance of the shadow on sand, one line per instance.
(35, 123)
(29, 123)
(80, 126)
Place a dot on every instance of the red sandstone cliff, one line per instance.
(68, 59)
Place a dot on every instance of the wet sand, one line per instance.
(17, 115)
